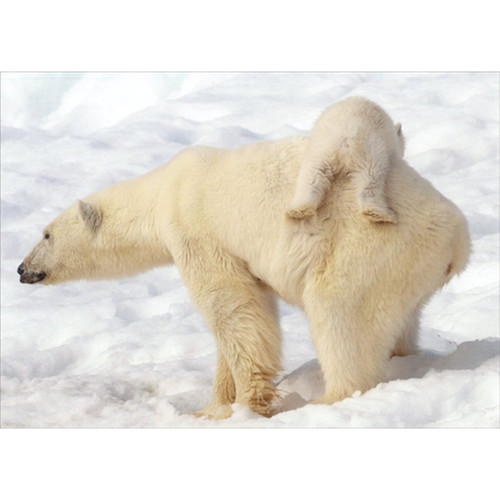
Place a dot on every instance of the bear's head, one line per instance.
(68, 249)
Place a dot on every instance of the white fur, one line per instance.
(220, 216)
(353, 137)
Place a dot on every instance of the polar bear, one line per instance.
(354, 136)
(219, 215)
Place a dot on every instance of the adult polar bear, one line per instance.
(219, 215)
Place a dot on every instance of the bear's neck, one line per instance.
(131, 232)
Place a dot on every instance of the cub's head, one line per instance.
(66, 250)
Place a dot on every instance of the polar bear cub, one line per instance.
(357, 137)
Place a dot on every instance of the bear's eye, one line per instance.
(46, 235)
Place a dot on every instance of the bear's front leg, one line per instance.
(248, 338)
(224, 392)
(242, 316)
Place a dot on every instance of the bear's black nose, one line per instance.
(20, 269)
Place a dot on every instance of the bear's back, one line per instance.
(237, 199)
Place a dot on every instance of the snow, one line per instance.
(135, 352)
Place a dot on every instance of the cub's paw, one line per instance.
(380, 214)
(299, 213)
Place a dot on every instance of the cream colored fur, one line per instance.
(356, 137)
(220, 216)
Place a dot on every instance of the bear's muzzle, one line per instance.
(29, 277)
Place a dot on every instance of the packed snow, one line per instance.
(135, 352)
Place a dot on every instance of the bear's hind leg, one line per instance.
(353, 346)
(406, 343)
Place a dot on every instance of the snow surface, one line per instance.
(135, 352)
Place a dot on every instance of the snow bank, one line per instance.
(135, 353)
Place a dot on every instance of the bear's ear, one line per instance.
(90, 215)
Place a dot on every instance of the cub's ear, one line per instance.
(401, 139)
(90, 215)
